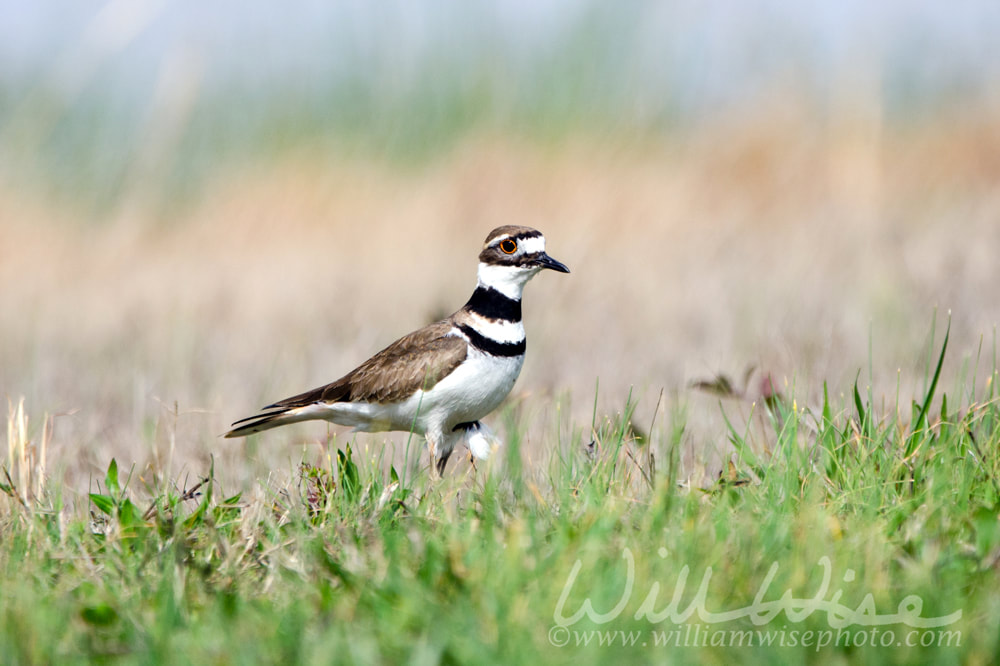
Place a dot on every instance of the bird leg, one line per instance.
(441, 461)
(439, 453)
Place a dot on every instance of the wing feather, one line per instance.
(416, 361)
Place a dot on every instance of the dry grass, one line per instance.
(774, 240)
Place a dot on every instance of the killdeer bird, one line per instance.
(441, 379)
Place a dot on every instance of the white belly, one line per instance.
(470, 392)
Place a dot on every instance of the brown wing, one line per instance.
(418, 360)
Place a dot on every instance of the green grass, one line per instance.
(352, 562)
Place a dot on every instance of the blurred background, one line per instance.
(207, 207)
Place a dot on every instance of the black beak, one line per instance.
(545, 261)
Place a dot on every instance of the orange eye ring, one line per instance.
(507, 246)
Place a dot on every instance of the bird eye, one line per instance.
(508, 246)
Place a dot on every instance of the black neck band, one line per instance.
(490, 346)
(491, 304)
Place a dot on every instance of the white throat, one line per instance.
(508, 280)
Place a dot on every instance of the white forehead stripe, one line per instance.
(532, 245)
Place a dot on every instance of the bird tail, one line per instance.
(273, 419)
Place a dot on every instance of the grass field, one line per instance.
(759, 422)
(856, 534)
